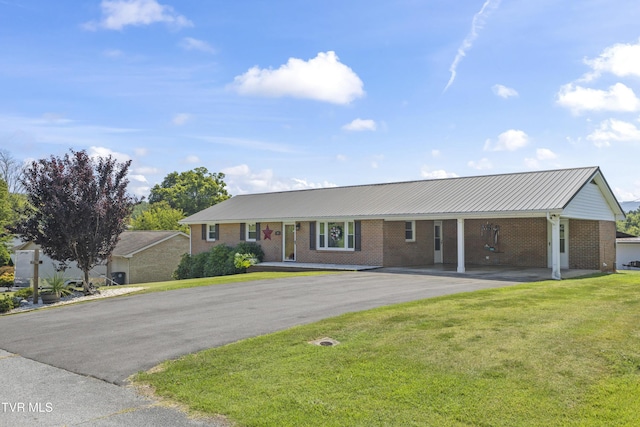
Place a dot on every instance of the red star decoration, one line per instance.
(267, 233)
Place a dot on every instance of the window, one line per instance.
(212, 231)
(409, 231)
(336, 235)
(251, 232)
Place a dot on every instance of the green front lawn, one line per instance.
(545, 353)
(220, 280)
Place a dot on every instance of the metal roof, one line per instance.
(517, 193)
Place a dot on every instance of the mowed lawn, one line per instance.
(546, 353)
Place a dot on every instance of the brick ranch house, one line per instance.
(557, 219)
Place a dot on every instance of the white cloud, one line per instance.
(117, 14)
(146, 170)
(425, 172)
(545, 154)
(578, 99)
(542, 154)
(323, 78)
(360, 125)
(141, 151)
(621, 59)
(189, 43)
(95, 152)
(476, 24)
(625, 195)
(482, 164)
(137, 177)
(241, 179)
(180, 119)
(510, 140)
(246, 143)
(503, 91)
(435, 153)
(192, 159)
(614, 130)
(341, 158)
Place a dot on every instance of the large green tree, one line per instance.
(158, 216)
(78, 206)
(190, 191)
(631, 224)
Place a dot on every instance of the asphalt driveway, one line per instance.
(112, 339)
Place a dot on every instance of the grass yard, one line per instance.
(220, 280)
(545, 353)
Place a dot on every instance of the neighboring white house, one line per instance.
(628, 250)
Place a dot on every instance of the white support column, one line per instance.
(555, 246)
(461, 245)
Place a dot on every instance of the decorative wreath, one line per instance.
(335, 232)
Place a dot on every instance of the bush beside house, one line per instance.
(221, 260)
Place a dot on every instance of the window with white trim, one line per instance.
(251, 232)
(211, 232)
(336, 235)
(410, 231)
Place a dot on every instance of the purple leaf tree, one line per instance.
(78, 206)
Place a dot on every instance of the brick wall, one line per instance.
(608, 246)
(592, 245)
(399, 252)
(230, 235)
(157, 263)
(521, 242)
(372, 233)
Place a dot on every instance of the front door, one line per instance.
(289, 244)
(437, 242)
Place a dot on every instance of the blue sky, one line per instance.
(300, 94)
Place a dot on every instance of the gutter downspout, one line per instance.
(555, 245)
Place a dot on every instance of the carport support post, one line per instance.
(555, 246)
(36, 276)
(461, 245)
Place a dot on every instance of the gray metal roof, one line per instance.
(517, 193)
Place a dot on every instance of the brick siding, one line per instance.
(157, 263)
(522, 242)
(399, 252)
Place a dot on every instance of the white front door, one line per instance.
(289, 242)
(564, 244)
(437, 242)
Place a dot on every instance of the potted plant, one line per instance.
(56, 288)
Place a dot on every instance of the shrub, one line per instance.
(250, 248)
(244, 261)
(6, 280)
(183, 271)
(219, 261)
(197, 265)
(24, 293)
(6, 304)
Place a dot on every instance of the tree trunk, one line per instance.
(86, 286)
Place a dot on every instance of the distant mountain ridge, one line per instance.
(630, 206)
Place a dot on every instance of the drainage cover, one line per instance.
(325, 342)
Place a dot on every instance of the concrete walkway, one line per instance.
(111, 339)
